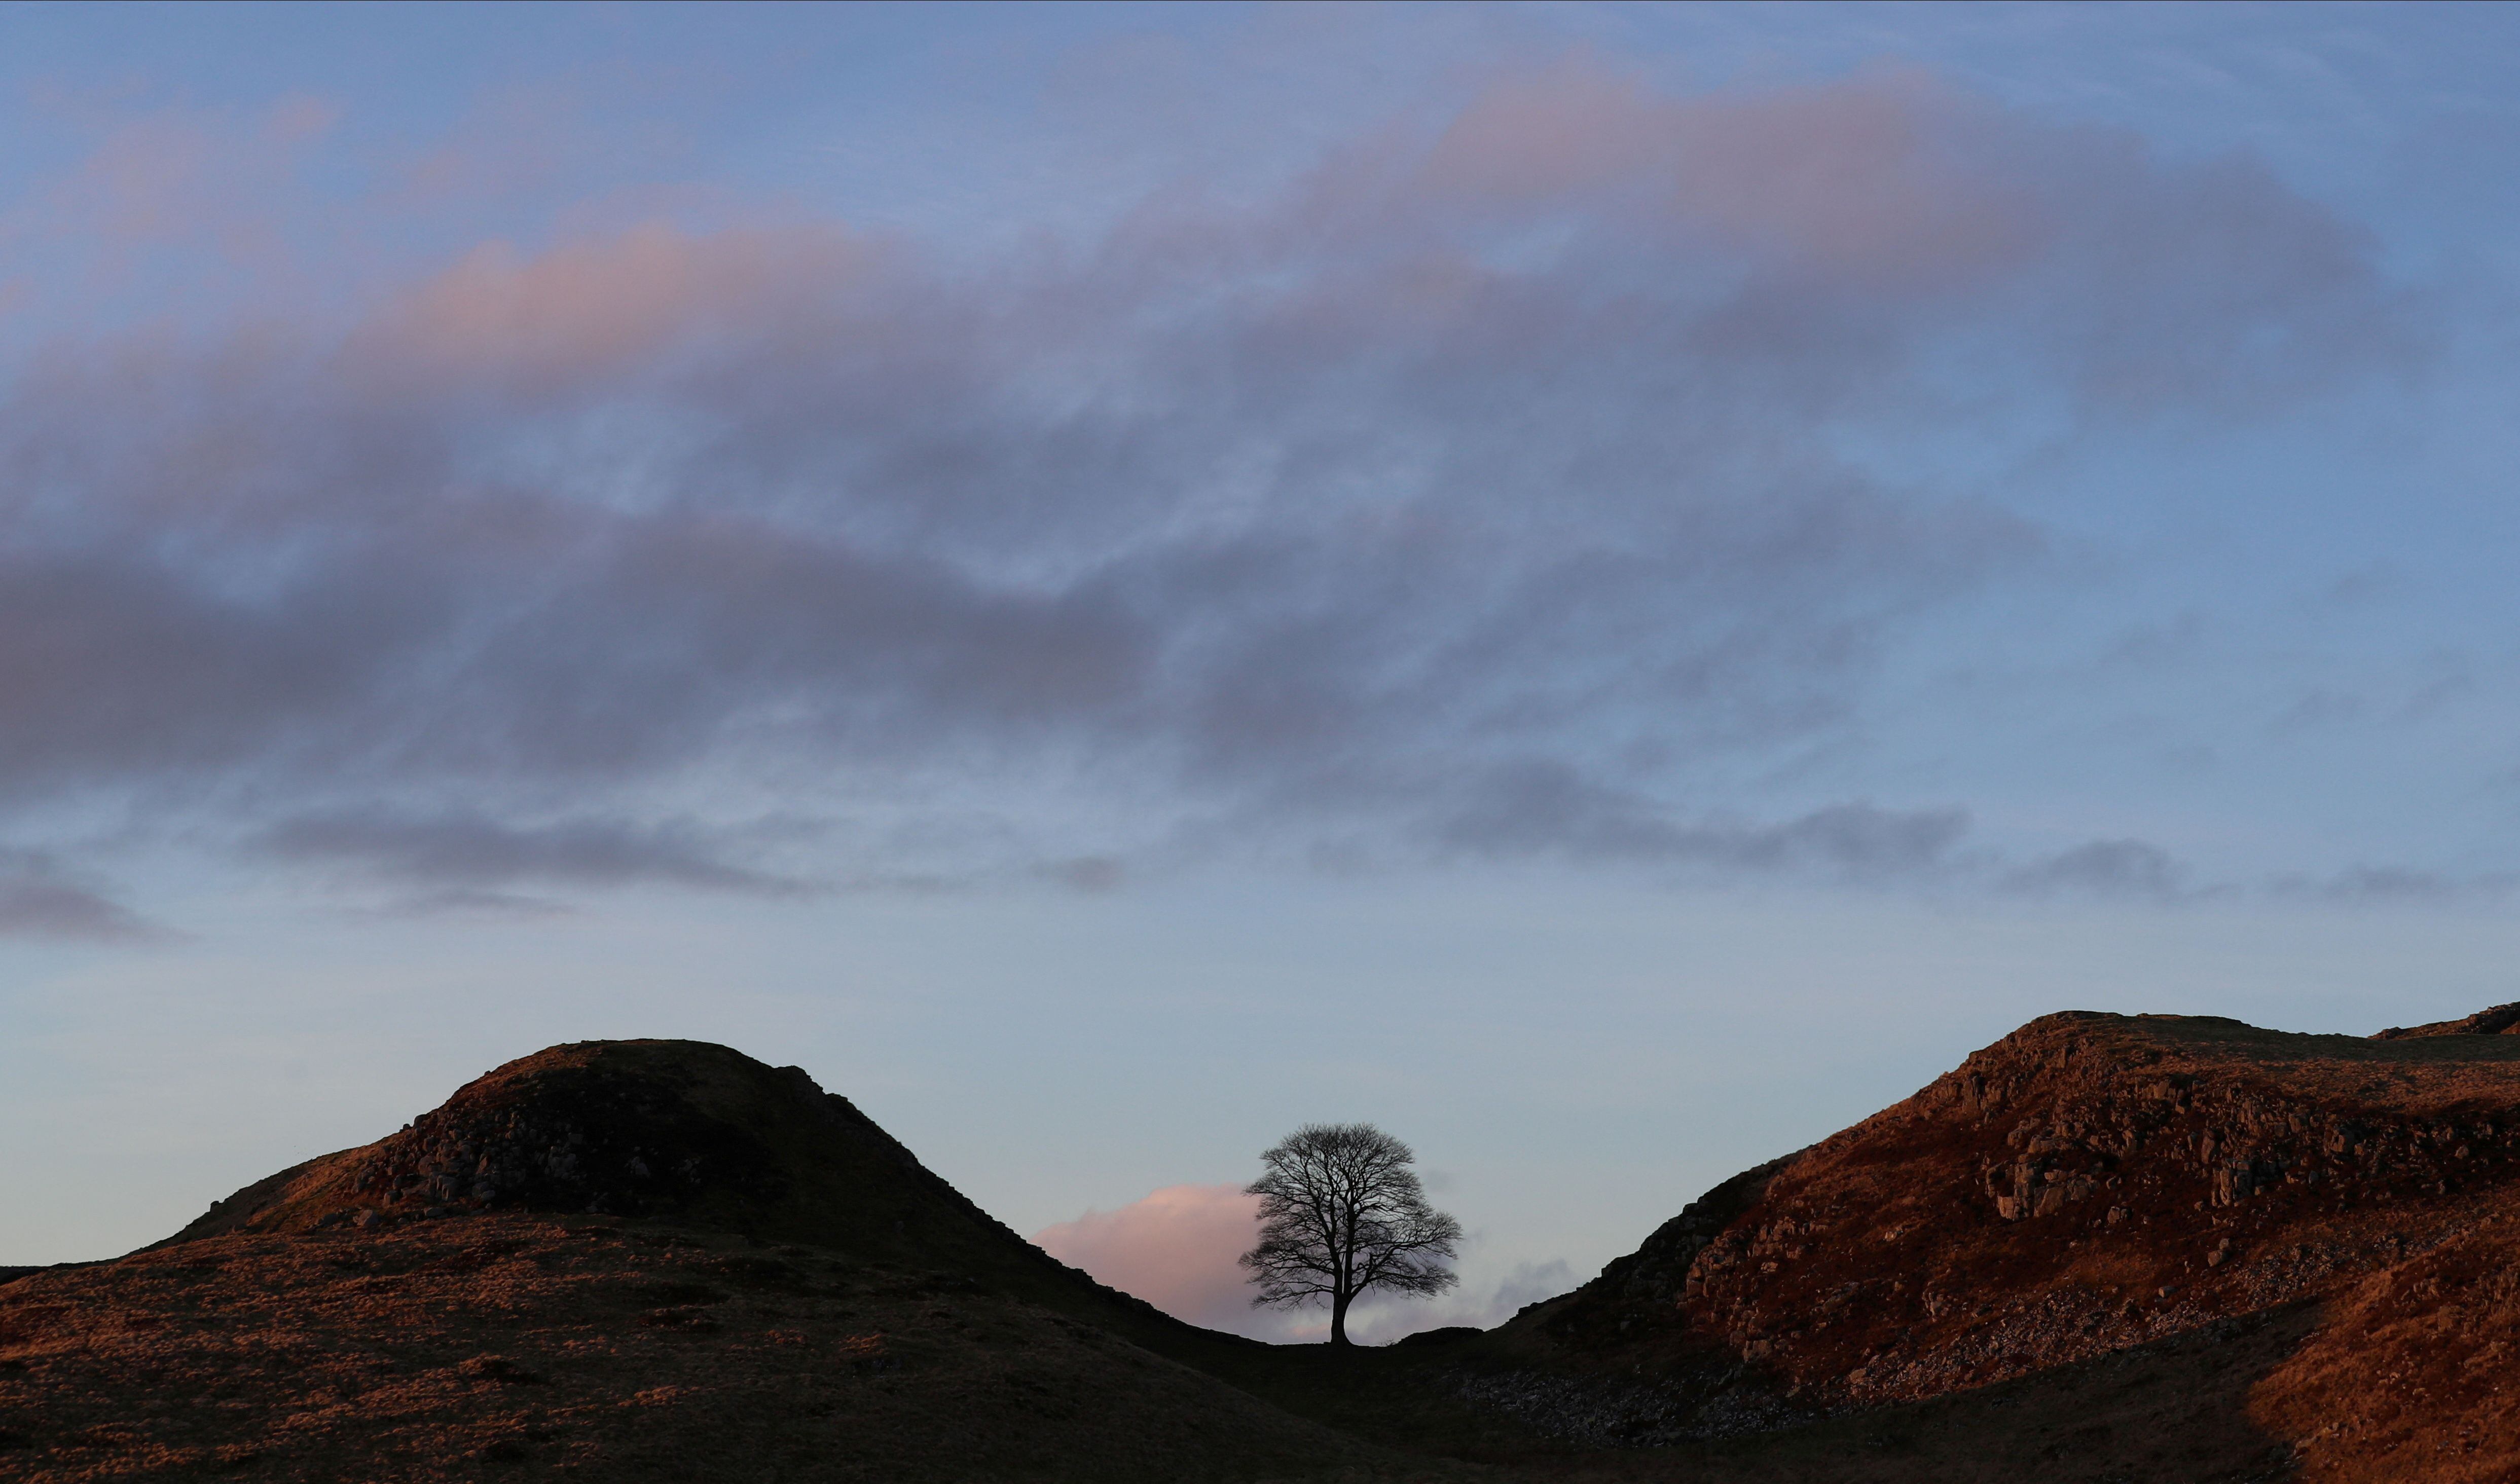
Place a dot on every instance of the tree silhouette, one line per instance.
(1342, 1212)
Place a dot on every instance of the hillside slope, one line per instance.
(684, 1133)
(508, 1346)
(2088, 1185)
(627, 1260)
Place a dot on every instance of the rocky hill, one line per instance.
(2097, 1186)
(623, 1260)
(680, 1131)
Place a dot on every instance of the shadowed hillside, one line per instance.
(506, 1346)
(686, 1134)
(680, 1131)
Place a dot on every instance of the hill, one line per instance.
(2097, 1191)
(2104, 1248)
(679, 1131)
(623, 1260)
(505, 1346)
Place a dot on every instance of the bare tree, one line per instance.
(1342, 1212)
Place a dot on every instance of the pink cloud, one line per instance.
(1885, 185)
(176, 174)
(1176, 1250)
(597, 306)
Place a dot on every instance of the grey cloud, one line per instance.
(36, 901)
(2452, 681)
(469, 853)
(1087, 873)
(1386, 1319)
(1447, 462)
(675, 629)
(2320, 708)
(2220, 291)
(2391, 886)
(475, 904)
(2103, 868)
(1530, 1283)
(2361, 588)
(1545, 808)
(2157, 646)
(113, 665)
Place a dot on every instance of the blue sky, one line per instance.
(1610, 587)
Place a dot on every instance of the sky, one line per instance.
(1608, 588)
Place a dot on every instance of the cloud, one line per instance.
(1176, 1250)
(1087, 872)
(1543, 808)
(166, 206)
(2103, 868)
(2318, 711)
(500, 321)
(1379, 1320)
(36, 901)
(115, 667)
(2396, 885)
(1494, 488)
(1880, 183)
(462, 903)
(466, 853)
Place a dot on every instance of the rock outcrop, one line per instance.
(2089, 1185)
(675, 1129)
(2497, 1020)
(682, 1132)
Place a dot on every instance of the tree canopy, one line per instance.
(1342, 1212)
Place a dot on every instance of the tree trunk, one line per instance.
(1338, 1317)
